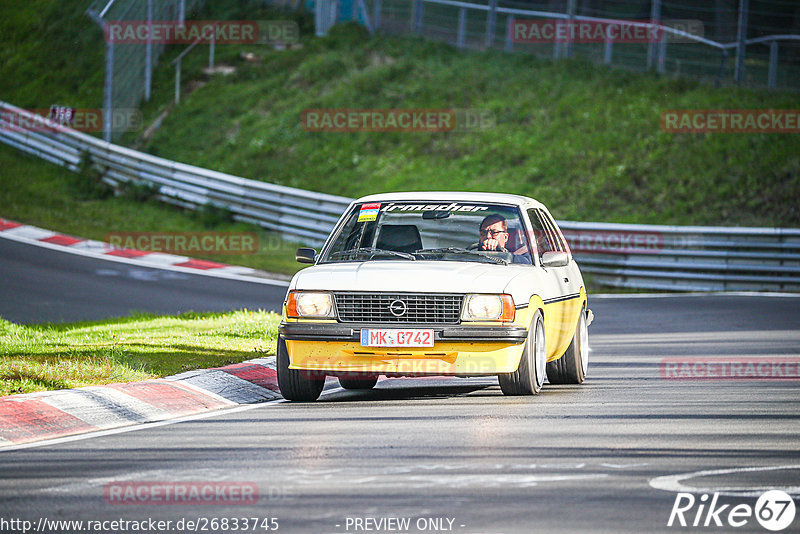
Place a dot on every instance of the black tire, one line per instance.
(358, 382)
(296, 385)
(571, 367)
(529, 376)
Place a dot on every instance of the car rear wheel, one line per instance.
(529, 376)
(572, 366)
(295, 384)
(358, 382)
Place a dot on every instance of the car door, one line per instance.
(562, 299)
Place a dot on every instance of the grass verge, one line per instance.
(59, 356)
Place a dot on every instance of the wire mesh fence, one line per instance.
(129, 66)
(700, 40)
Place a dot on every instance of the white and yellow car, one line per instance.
(432, 284)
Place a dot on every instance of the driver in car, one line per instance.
(494, 237)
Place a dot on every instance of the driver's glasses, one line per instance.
(493, 233)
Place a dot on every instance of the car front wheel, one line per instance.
(295, 384)
(529, 376)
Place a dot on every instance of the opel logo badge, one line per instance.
(398, 308)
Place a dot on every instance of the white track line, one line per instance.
(674, 483)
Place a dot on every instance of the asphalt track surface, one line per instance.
(589, 458)
(39, 284)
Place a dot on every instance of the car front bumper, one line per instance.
(458, 350)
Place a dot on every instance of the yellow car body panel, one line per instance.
(444, 358)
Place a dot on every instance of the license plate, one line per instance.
(382, 337)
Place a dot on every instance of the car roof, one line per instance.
(452, 196)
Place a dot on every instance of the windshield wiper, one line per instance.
(458, 250)
(373, 252)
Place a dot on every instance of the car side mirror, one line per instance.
(555, 259)
(305, 255)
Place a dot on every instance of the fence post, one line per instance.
(318, 7)
(491, 20)
(211, 50)
(108, 91)
(655, 18)
(148, 58)
(607, 50)
(417, 13)
(571, 9)
(509, 32)
(333, 15)
(741, 38)
(661, 66)
(773, 64)
(376, 20)
(462, 27)
(365, 13)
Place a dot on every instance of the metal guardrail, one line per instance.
(304, 215)
(680, 258)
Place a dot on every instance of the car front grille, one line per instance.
(419, 308)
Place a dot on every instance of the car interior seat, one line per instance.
(399, 237)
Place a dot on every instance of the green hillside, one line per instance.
(583, 139)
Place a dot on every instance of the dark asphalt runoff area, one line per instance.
(455, 455)
(39, 285)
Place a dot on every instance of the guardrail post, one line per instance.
(148, 58)
(655, 18)
(509, 47)
(462, 27)
(741, 40)
(773, 65)
(491, 20)
(607, 50)
(178, 82)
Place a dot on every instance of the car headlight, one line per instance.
(313, 304)
(489, 308)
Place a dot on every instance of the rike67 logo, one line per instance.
(774, 510)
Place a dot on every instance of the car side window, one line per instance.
(540, 235)
(553, 234)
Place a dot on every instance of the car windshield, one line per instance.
(425, 231)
